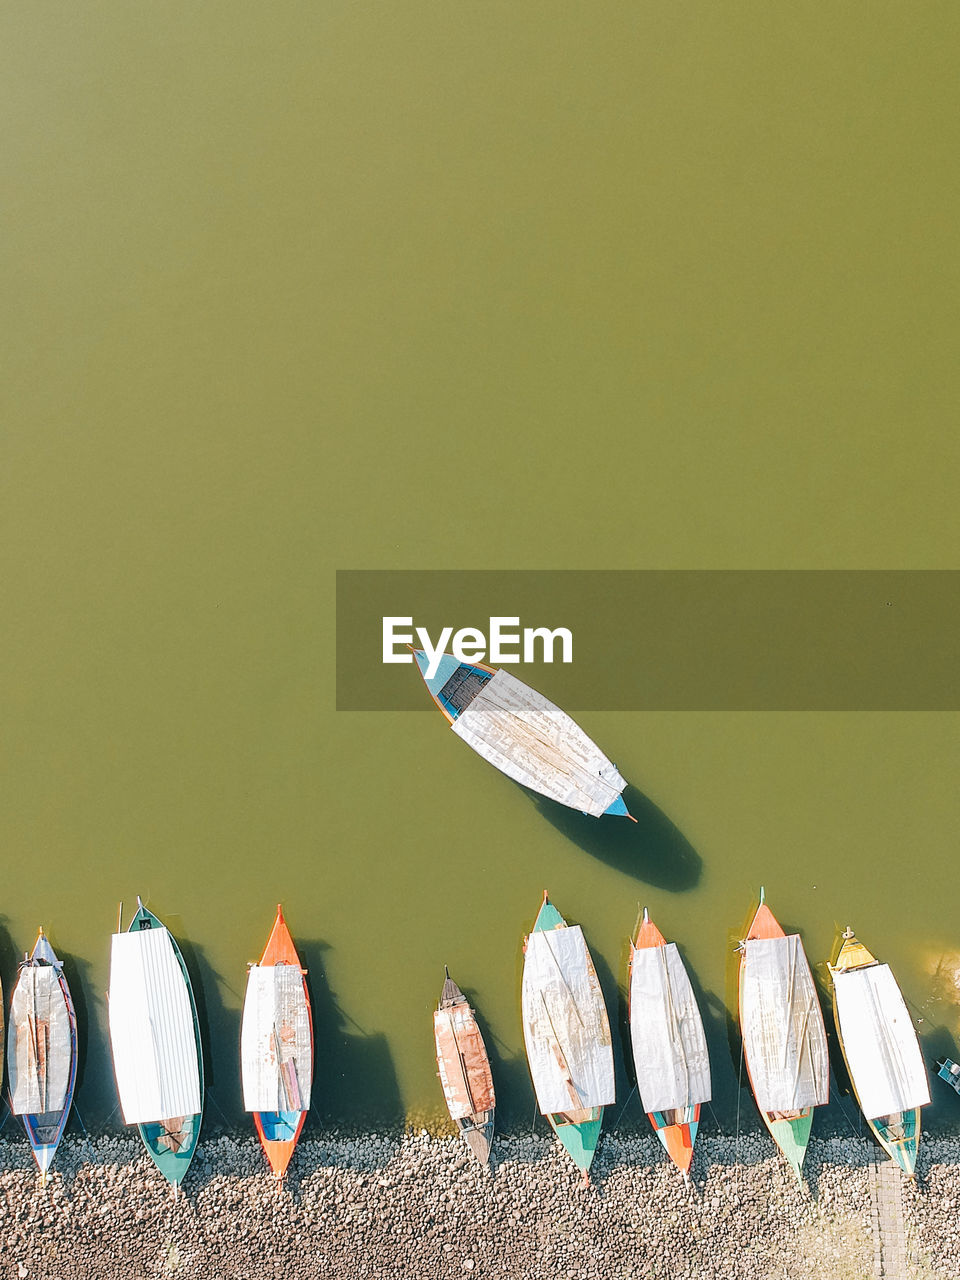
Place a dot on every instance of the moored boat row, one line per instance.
(158, 1055)
(570, 1049)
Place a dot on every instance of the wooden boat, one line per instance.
(567, 1034)
(784, 1041)
(42, 1051)
(881, 1050)
(950, 1071)
(464, 1070)
(669, 1045)
(276, 1047)
(525, 736)
(155, 1039)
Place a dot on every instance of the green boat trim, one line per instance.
(173, 1164)
(792, 1137)
(579, 1140)
(899, 1135)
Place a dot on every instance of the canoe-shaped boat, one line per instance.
(669, 1045)
(155, 1039)
(524, 735)
(567, 1034)
(784, 1041)
(881, 1050)
(42, 1051)
(464, 1070)
(276, 1047)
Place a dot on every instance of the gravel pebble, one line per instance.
(414, 1207)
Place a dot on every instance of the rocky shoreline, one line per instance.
(417, 1206)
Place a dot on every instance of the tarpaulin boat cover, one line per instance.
(276, 1047)
(537, 744)
(462, 1059)
(669, 1047)
(784, 1042)
(879, 1042)
(152, 1029)
(565, 1025)
(39, 1042)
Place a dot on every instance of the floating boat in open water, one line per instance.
(155, 1039)
(881, 1050)
(784, 1041)
(276, 1047)
(566, 1033)
(42, 1051)
(524, 735)
(669, 1045)
(464, 1070)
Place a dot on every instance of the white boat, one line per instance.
(155, 1039)
(525, 735)
(566, 1033)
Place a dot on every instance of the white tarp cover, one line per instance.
(537, 744)
(669, 1047)
(152, 1029)
(565, 1025)
(879, 1042)
(276, 1049)
(39, 1042)
(784, 1042)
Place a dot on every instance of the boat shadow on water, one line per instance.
(652, 849)
(219, 1037)
(355, 1089)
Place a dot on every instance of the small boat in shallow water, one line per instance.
(42, 1051)
(881, 1050)
(784, 1041)
(276, 1047)
(950, 1071)
(524, 735)
(155, 1039)
(464, 1070)
(669, 1045)
(567, 1034)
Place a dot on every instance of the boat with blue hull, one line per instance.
(276, 1047)
(524, 735)
(42, 1051)
(950, 1071)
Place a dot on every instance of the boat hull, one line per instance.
(683, 1048)
(524, 735)
(678, 1138)
(279, 1131)
(899, 1132)
(791, 1132)
(463, 1066)
(172, 1149)
(579, 1129)
(44, 1130)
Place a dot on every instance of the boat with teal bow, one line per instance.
(881, 1050)
(155, 1039)
(567, 1034)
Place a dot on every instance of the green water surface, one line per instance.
(294, 288)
